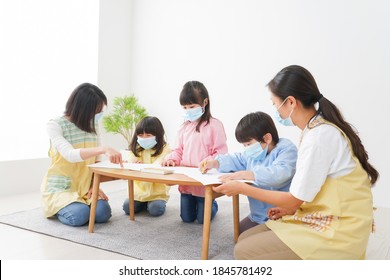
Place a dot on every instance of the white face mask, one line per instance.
(287, 121)
(147, 143)
(98, 116)
(193, 114)
(255, 151)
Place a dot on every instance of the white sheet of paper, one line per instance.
(126, 165)
(210, 178)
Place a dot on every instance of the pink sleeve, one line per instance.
(219, 139)
(177, 152)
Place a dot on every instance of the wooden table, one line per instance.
(105, 174)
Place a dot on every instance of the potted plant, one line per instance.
(126, 113)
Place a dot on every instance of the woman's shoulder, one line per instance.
(59, 121)
(325, 135)
(56, 124)
(325, 130)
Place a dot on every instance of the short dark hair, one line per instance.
(149, 125)
(255, 126)
(195, 92)
(83, 104)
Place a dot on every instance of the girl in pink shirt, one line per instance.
(201, 137)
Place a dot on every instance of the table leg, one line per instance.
(130, 184)
(208, 199)
(236, 216)
(95, 195)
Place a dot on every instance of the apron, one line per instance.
(66, 182)
(337, 223)
(147, 191)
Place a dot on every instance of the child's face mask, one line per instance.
(193, 114)
(147, 143)
(255, 151)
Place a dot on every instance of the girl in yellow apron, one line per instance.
(327, 214)
(149, 146)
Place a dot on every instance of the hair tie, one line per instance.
(320, 97)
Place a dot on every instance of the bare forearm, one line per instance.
(87, 153)
(277, 198)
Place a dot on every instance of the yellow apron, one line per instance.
(147, 191)
(67, 182)
(337, 223)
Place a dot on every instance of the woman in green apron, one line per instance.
(74, 144)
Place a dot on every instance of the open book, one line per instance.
(156, 170)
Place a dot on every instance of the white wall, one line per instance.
(114, 66)
(41, 62)
(236, 46)
(22, 176)
(151, 48)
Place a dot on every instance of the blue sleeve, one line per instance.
(231, 162)
(278, 173)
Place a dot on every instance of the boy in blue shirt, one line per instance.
(267, 160)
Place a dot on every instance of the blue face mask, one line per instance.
(287, 121)
(98, 116)
(255, 151)
(193, 114)
(147, 143)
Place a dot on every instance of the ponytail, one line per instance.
(331, 113)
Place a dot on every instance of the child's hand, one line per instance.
(169, 162)
(206, 165)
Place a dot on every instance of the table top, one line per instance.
(169, 179)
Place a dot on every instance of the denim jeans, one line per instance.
(192, 208)
(77, 213)
(155, 208)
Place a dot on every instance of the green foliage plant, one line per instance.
(126, 113)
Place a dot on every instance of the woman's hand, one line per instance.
(114, 156)
(278, 212)
(230, 188)
(101, 194)
(239, 175)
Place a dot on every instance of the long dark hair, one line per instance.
(255, 126)
(83, 104)
(149, 125)
(298, 82)
(195, 92)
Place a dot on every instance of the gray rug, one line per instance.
(149, 238)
